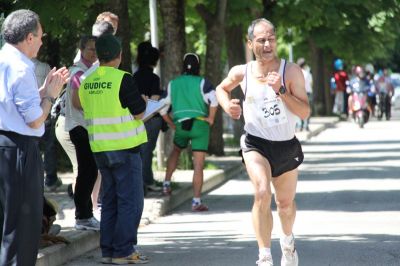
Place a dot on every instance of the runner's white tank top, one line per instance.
(265, 114)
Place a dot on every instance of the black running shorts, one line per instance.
(283, 156)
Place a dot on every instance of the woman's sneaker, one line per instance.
(167, 189)
(199, 207)
(265, 261)
(87, 224)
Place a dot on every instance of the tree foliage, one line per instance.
(63, 22)
(357, 31)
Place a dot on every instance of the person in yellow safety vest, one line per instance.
(113, 108)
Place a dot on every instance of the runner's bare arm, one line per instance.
(296, 97)
(230, 106)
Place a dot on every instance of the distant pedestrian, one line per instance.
(23, 111)
(193, 108)
(106, 23)
(341, 82)
(75, 124)
(149, 86)
(308, 82)
(385, 90)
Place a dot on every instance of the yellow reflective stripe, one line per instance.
(109, 120)
(117, 135)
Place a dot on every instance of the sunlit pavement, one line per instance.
(348, 209)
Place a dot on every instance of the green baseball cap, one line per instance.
(108, 47)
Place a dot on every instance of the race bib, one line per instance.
(273, 112)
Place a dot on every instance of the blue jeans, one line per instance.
(122, 201)
(153, 127)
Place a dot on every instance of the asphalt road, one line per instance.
(348, 209)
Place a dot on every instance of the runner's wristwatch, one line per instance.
(282, 90)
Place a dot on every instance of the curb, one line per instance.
(80, 243)
(85, 241)
(171, 203)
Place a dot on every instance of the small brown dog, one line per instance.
(49, 238)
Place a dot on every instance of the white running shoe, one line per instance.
(289, 254)
(87, 224)
(265, 261)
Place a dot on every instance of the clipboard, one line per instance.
(152, 108)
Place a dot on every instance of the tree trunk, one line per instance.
(173, 45)
(172, 49)
(236, 56)
(215, 34)
(327, 75)
(317, 63)
(120, 7)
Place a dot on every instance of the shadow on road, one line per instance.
(314, 250)
(354, 173)
(342, 143)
